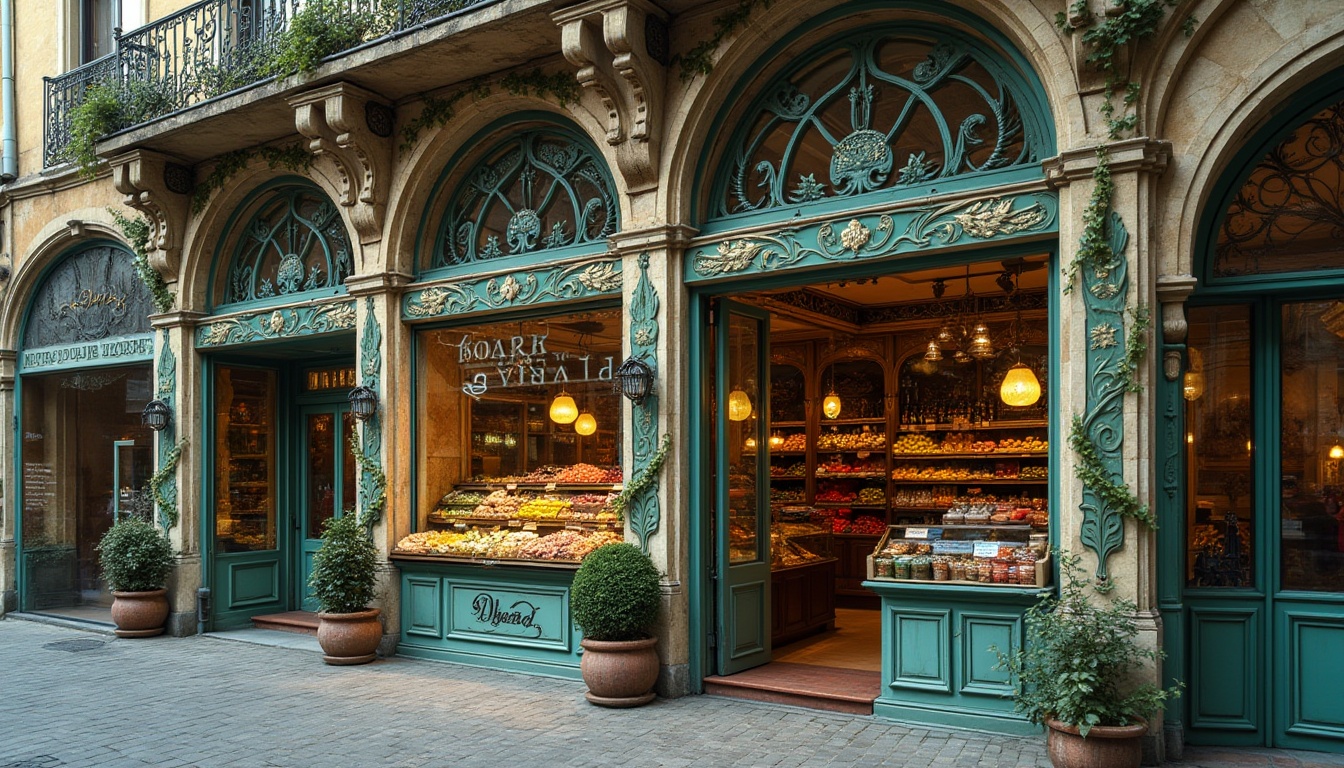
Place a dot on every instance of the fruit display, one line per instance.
(945, 472)
(863, 525)
(1023, 445)
(872, 496)
(543, 508)
(582, 474)
(796, 469)
(914, 443)
(966, 442)
(794, 442)
(836, 496)
(835, 466)
(500, 505)
(865, 440)
(787, 496)
(1034, 473)
(494, 543)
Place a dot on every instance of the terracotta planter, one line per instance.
(140, 614)
(349, 638)
(620, 673)
(1104, 747)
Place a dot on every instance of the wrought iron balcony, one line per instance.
(212, 48)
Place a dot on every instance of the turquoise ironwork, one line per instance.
(539, 190)
(280, 323)
(587, 279)
(295, 242)
(91, 293)
(165, 492)
(1105, 285)
(372, 481)
(834, 124)
(876, 235)
(644, 512)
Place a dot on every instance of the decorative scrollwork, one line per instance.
(967, 102)
(261, 326)
(294, 242)
(645, 512)
(577, 281)
(91, 294)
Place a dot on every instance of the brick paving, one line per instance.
(202, 701)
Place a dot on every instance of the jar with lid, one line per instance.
(921, 567)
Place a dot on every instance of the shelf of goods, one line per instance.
(245, 523)
(802, 570)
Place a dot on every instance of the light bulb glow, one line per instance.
(1337, 451)
(981, 345)
(1020, 386)
(1192, 385)
(585, 424)
(776, 440)
(934, 353)
(739, 405)
(563, 409)
(750, 444)
(831, 405)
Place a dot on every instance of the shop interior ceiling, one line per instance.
(875, 304)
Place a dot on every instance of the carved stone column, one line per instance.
(177, 382)
(383, 363)
(9, 596)
(657, 313)
(159, 188)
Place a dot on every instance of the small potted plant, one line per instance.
(1075, 677)
(615, 601)
(345, 573)
(136, 558)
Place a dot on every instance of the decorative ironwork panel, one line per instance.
(1289, 214)
(91, 294)
(891, 109)
(537, 191)
(293, 243)
(212, 48)
(281, 323)
(587, 279)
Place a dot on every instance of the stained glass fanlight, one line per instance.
(293, 242)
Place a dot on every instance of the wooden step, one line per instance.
(802, 685)
(299, 622)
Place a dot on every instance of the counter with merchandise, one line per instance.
(802, 575)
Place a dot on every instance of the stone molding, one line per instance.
(1172, 291)
(607, 40)
(181, 318)
(352, 128)
(664, 237)
(1140, 155)
(159, 188)
(378, 282)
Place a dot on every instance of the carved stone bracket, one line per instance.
(351, 127)
(160, 189)
(1172, 291)
(609, 41)
(1141, 155)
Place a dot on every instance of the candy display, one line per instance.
(864, 440)
(502, 544)
(1007, 557)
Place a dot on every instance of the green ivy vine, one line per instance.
(560, 87)
(160, 478)
(642, 481)
(373, 508)
(1093, 472)
(109, 107)
(1136, 346)
(136, 232)
(699, 60)
(292, 157)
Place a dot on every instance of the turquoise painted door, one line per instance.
(326, 483)
(742, 492)
(1264, 530)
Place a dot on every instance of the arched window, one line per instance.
(292, 241)
(1288, 215)
(91, 294)
(540, 190)
(903, 107)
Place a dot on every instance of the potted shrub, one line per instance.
(615, 601)
(345, 572)
(136, 557)
(1075, 676)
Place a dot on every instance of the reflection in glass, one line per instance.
(1311, 524)
(743, 350)
(1219, 534)
(244, 460)
(321, 471)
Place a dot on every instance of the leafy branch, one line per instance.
(292, 157)
(374, 505)
(159, 481)
(1136, 346)
(642, 480)
(136, 232)
(700, 59)
(1094, 474)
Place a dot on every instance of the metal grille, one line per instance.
(212, 48)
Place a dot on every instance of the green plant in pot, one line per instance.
(136, 558)
(1075, 675)
(344, 580)
(614, 600)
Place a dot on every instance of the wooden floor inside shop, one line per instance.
(837, 670)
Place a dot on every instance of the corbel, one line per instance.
(1172, 291)
(352, 128)
(1138, 155)
(620, 48)
(159, 188)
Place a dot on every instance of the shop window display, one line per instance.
(519, 440)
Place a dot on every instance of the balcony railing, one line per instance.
(212, 48)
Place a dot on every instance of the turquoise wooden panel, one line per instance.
(483, 612)
(422, 599)
(1310, 685)
(921, 647)
(252, 584)
(980, 633)
(748, 633)
(1224, 688)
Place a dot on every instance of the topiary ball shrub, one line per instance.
(615, 594)
(345, 568)
(135, 556)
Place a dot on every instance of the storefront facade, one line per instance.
(802, 246)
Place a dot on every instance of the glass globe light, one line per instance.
(1337, 451)
(934, 353)
(585, 424)
(563, 409)
(982, 347)
(739, 405)
(1020, 387)
(830, 406)
(1192, 385)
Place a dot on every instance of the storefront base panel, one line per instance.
(510, 618)
(940, 645)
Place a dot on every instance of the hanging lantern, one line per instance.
(830, 406)
(1337, 451)
(776, 440)
(750, 444)
(363, 403)
(563, 409)
(1192, 385)
(585, 425)
(935, 352)
(945, 336)
(634, 379)
(739, 405)
(156, 415)
(982, 347)
(1020, 387)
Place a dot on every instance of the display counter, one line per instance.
(802, 575)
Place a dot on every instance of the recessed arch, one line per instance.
(89, 292)
(525, 188)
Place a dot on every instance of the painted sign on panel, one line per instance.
(487, 613)
(131, 349)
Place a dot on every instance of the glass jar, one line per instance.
(984, 571)
(942, 570)
(921, 568)
(900, 567)
(882, 567)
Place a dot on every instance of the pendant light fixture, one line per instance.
(830, 406)
(563, 409)
(935, 351)
(1337, 451)
(739, 405)
(1020, 386)
(982, 347)
(1192, 383)
(585, 424)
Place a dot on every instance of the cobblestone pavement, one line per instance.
(206, 702)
